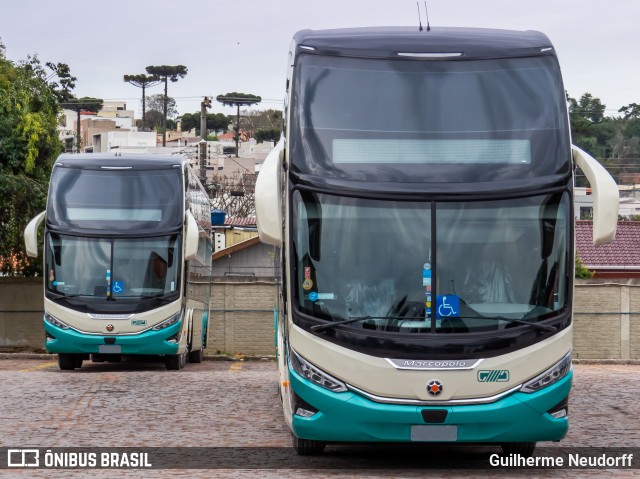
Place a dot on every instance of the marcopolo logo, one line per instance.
(493, 375)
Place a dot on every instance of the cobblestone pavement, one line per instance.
(222, 404)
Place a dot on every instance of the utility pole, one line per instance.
(202, 145)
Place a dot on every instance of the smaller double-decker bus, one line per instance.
(127, 259)
(422, 197)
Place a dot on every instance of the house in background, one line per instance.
(618, 259)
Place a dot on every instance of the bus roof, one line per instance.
(389, 42)
(92, 160)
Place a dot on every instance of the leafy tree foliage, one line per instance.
(238, 99)
(142, 81)
(157, 103)
(154, 119)
(215, 122)
(271, 134)
(29, 145)
(615, 141)
(166, 73)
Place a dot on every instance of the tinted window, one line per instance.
(382, 120)
(115, 199)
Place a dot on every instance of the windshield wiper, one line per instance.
(320, 327)
(509, 320)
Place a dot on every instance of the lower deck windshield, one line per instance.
(105, 269)
(376, 262)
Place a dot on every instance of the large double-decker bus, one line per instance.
(422, 199)
(127, 259)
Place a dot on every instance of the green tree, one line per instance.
(157, 103)
(588, 107)
(86, 104)
(238, 99)
(154, 119)
(142, 81)
(166, 73)
(215, 122)
(29, 145)
(66, 82)
(270, 134)
(582, 271)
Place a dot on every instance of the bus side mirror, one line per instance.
(268, 197)
(31, 235)
(606, 197)
(191, 237)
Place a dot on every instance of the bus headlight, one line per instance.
(552, 375)
(316, 375)
(54, 321)
(168, 322)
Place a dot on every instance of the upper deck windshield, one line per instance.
(115, 199)
(429, 121)
(379, 263)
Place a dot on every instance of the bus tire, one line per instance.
(524, 449)
(68, 361)
(196, 356)
(307, 447)
(175, 362)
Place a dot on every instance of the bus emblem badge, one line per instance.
(493, 376)
(109, 327)
(434, 387)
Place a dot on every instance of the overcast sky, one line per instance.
(241, 45)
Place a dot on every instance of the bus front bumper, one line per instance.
(350, 417)
(148, 342)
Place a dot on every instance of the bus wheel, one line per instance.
(68, 361)
(175, 362)
(524, 449)
(196, 356)
(307, 447)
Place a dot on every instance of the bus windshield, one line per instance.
(115, 199)
(118, 269)
(429, 121)
(490, 262)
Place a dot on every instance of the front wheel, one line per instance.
(69, 362)
(524, 449)
(175, 362)
(307, 447)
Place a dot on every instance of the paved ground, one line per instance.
(216, 403)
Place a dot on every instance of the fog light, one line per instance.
(561, 409)
(301, 407)
(304, 412)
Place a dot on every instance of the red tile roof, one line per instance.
(235, 221)
(622, 251)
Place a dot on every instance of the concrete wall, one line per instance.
(21, 309)
(606, 319)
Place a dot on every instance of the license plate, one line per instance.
(434, 433)
(109, 349)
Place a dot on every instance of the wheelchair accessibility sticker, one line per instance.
(118, 287)
(447, 306)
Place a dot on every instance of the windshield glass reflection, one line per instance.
(375, 262)
(112, 269)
